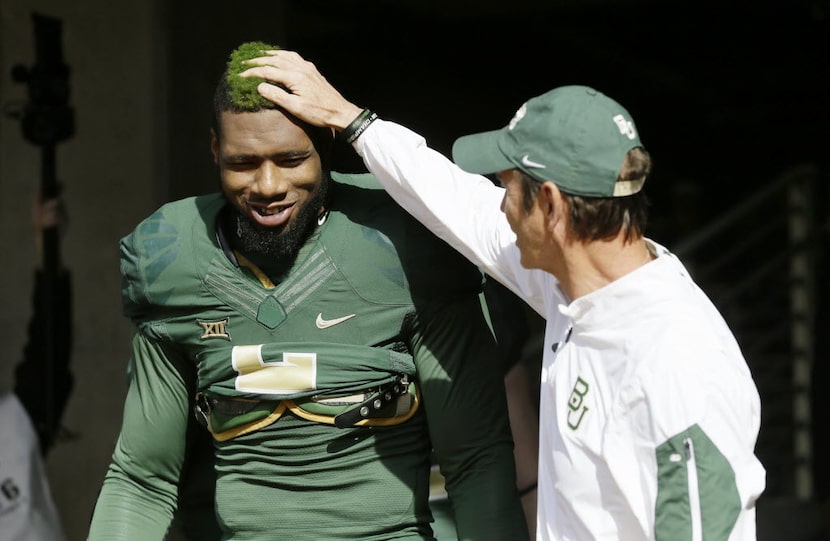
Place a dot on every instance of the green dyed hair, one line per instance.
(237, 94)
(242, 90)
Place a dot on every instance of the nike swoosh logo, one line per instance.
(529, 163)
(326, 323)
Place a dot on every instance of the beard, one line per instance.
(252, 239)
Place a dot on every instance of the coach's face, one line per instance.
(529, 225)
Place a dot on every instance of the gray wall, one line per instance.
(107, 171)
(141, 78)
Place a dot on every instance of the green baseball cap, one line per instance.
(573, 136)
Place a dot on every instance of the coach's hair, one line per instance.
(602, 218)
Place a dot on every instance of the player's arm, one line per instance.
(43, 379)
(463, 390)
(511, 327)
(139, 493)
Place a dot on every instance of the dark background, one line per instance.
(725, 95)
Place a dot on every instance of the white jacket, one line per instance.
(648, 412)
(27, 512)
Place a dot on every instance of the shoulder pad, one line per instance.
(427, 266)
(160, 259)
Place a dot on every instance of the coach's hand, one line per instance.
(310, 97)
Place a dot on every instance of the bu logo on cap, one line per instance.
(520, 114)
(625, 126)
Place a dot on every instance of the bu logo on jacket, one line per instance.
(575, 401)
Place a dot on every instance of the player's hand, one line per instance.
(310, 98)
(48, 213)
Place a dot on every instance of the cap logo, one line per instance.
(527, 162)
(625, 126)
(520, 114)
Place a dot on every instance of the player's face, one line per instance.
(272, 174)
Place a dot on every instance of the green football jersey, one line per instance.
(325, 394)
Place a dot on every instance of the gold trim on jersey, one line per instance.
(261, 276)
(249, 427)
(405, 407)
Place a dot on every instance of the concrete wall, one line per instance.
(141, 78)
(107, 171)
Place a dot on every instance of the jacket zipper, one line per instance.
(694, 492)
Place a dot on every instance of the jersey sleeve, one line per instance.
(464, 398)
(508, 321)
(139, 492)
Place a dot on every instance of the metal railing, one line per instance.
(757, 263)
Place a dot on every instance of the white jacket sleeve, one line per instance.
(461, 208)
